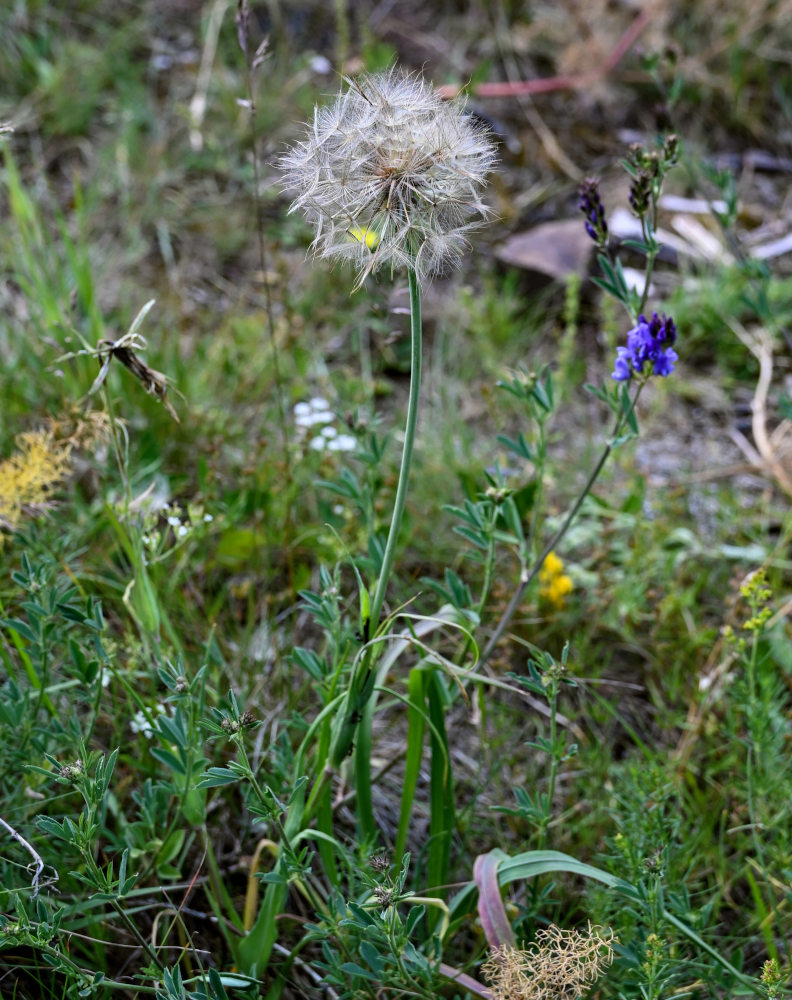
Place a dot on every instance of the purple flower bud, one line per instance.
(590, 205)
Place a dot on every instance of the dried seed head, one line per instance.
(560, 965)
(389, 174)
(384, 895)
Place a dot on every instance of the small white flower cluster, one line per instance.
(140, 724)
(389, 173)
(314, 419)
(156, 538)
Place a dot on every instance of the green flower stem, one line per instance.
(648, 229)
(358, 717)
(60, 960)
(407, 452)
(528, 576)
(101, 882)
(489, 569)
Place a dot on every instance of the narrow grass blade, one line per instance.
(442, 815)
(754, 985)
(532, 863)
(254, 950)
(324, 824)
(492, 912)
(416, 694)
(364, 802)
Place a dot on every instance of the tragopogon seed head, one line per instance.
(390, 174)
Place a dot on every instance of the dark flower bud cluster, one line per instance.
(590, 205)
(649, 343)
(645, 173)
(384, 895)
(246, 720)
(670, 150)
(641, 192)
(647, 170)
(71, 772)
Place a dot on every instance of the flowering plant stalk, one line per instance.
(649, 349)
(624, 405)
(362, 684)
(388, 175)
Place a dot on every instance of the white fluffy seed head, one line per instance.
(390, 174)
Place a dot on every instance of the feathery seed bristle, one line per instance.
(391, 159)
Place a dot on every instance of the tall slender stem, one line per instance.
(528, 575)
(407, 452)
(358, 717)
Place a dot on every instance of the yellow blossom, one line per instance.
(554, 584)
(28, 477)
(368, 237)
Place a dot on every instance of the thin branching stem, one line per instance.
(528, 576)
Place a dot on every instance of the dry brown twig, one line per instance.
(773, 449)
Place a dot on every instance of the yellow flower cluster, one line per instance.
(28, 477)
(554, 584)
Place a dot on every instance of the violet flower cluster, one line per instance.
(591, 206)
(648, 343)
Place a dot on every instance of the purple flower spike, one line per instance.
(650, 342)
(590, 205)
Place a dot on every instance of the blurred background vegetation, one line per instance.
(137, 164)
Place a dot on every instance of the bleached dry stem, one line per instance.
(770, 446)
(37, 862)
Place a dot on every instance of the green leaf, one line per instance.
(171, 847)
(532, 863)
(372, 957)
(217, 776)
(638, 245)
(310, 662)
(173, 729)
(475, 537)
(71, 613)
(353, 969)
(20, 628)
(518, 446)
